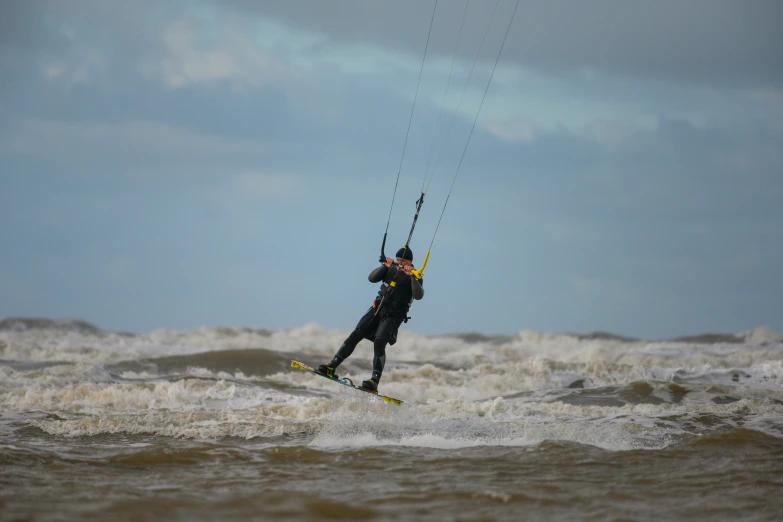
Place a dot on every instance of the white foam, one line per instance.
(457, 394)
(46, 345)
(438, 428)
(197, 408)
(194, 425)
(183, 394)
(763, 334)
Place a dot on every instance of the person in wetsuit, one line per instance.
(388, 311)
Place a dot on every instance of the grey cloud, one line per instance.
(115, 34)
(22, 27)
(707, 41)
(676, 173)
(49, 26)
(716, 42)
(125, 146)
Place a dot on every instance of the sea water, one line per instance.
(213, 424)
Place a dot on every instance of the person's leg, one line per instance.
(379, 359)
(347, 348)
(386, 330)
(348, 345)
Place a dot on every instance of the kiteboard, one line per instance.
(345, 382)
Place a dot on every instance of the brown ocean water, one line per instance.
(213, 425)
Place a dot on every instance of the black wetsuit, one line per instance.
(383, 319)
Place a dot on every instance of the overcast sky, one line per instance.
(173, 164)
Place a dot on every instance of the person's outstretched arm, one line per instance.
(417, 288)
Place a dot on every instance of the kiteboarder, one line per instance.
(401, 285)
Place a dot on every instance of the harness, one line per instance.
(388, 289)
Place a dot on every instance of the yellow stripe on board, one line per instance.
(300, 366)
